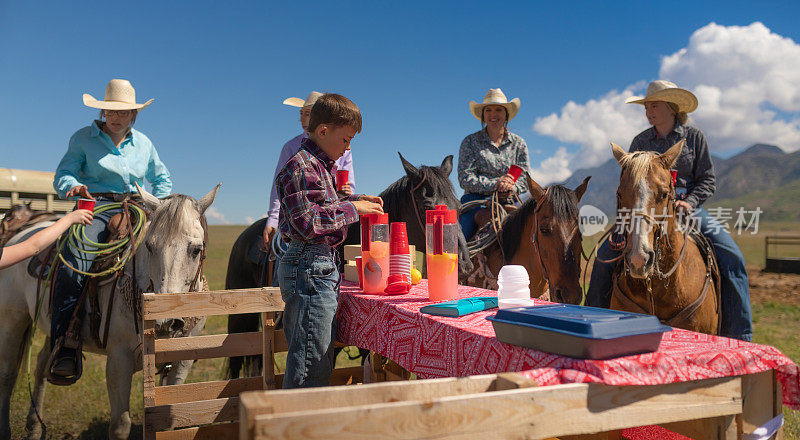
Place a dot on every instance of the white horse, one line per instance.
(167, 261)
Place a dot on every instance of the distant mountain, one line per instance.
(761, 175)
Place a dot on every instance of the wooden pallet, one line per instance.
(510, 406)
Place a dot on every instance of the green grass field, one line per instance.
(81, 411)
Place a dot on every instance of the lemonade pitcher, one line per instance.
(441, 253)
(375, 252)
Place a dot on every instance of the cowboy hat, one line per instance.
(668, 92)
(495, 97)
(119, 96)
(297, 102)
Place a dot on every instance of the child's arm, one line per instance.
(14, 254)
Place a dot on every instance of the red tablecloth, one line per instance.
(433, 346)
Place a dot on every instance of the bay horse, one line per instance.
(663, 271)
(406, 200)
(543, 235)
(168, 261)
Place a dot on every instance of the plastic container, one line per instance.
(512, 287)
(578, 331)
(441, 253)
(399, 281)
(342, 177)
(375, 252)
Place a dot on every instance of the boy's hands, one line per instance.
(366, 206)
(82, 216)
(79, 191)
(373, 199)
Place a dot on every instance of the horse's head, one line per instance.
(644, 201)
(173, 246)
(557, 237)
(426, 187)
(16, 216)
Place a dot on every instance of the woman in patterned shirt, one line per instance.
(486, 155)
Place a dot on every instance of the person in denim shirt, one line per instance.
(104, 161)
(666, 108)
(486, 155)
(313, 220)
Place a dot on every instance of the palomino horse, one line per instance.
(665, 274)
(543, 235)
(405, 200)
(168, 262)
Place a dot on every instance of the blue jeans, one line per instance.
(737, 320)
(309, 281)
(467, 218)
(69, 284)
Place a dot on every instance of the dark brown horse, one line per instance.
(542, 235)
(665, 274)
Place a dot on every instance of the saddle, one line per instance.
(20, 217)
(119, 227)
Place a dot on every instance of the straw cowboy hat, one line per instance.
(297, 102)
(667, 92)
(119, 96)
(495, 97)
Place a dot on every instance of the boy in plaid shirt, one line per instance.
(313, 220)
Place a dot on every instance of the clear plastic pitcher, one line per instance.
(375, 252)
(441, 253)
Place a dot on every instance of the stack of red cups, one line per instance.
(399, 282)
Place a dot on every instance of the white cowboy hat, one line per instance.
(495, 97)
(668, 92)
(119, 96)
(297, 102)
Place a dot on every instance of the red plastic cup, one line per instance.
(674, 174)
(398, 239)
(359, 266)
(341, 178)
(87, 204)
(515, 172)
(398, 284)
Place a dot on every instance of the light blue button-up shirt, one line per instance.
(93, 160)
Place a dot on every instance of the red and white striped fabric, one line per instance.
(436, 346)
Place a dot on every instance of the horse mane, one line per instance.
(637, 164)
(398, 193)
(175, 214)
(565, 208)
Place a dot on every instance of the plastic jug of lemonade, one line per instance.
(375, 252)
(441, 253)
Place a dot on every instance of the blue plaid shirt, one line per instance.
(310, 209)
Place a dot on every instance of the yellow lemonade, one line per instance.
(375, 264)
(442, 276)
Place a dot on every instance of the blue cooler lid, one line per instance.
(582, 321)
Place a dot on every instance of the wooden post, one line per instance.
(268, 357)
(148, 374)
(761, 401)
(48, 206)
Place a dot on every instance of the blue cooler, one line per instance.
(578, 331)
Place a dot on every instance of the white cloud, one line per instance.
(216, 217)
(249, 220)
(746, 78)
(553, 169)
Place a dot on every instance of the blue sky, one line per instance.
(219, 72)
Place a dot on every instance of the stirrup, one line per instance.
(55, 355)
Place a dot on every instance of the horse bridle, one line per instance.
(416, 208)
(575, 231)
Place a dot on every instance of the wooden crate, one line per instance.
(209, 410)
(510, 406)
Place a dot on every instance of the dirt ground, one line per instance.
(765, 286)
